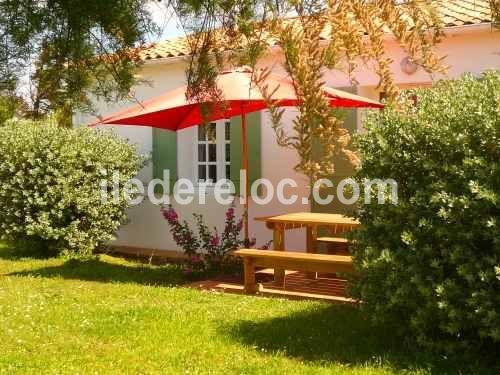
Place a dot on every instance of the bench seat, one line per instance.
(288, 260)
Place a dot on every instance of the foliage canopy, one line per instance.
(51, 182)
(61, 44)
(433, 259)
(312, 35)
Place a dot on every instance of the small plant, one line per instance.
(208, 250)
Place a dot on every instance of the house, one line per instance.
(470, 44)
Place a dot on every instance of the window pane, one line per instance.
(202, 152)
(202, 172)
(212, 152)
(211, 132)
(228, 130)
(228, 152)
(201, 133)
(228, 171)
(212, 173)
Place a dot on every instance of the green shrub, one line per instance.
(51, 185)
(432, 261)
(9, 106)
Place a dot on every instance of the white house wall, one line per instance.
(474, 50)
(471, 49)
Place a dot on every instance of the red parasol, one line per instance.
(172, 110)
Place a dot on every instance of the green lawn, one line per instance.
(116, 316)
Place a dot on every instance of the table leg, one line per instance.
(279, 244)
(250, 286)
(312, 234)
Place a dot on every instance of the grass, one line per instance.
(116, 316)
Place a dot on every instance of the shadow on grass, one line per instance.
(101, 271)
(343, 335)
(24, 250)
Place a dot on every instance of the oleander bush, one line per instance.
(208, 250)
(432, 261)
(50, 191)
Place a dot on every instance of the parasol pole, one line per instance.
(245, 169)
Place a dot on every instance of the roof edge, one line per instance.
(448, 30)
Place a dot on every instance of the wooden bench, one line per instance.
(288, 260)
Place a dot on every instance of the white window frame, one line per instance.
(220, 142)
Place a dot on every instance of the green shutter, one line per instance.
(254, 149)
(164, 156)
(350, 118)
(343, 169)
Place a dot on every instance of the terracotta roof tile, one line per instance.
(454, 13)
(465, 12)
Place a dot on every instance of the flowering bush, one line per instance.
(432, 261)
(50, 185)
(207, 250)
(181, 232)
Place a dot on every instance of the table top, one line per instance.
(310, 218)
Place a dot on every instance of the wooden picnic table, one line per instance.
(334, 223)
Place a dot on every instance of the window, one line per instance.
(408, 86)
(214, 152)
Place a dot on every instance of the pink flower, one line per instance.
(215, 240)
(169, 214)
(230, 213)
(172, 215)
